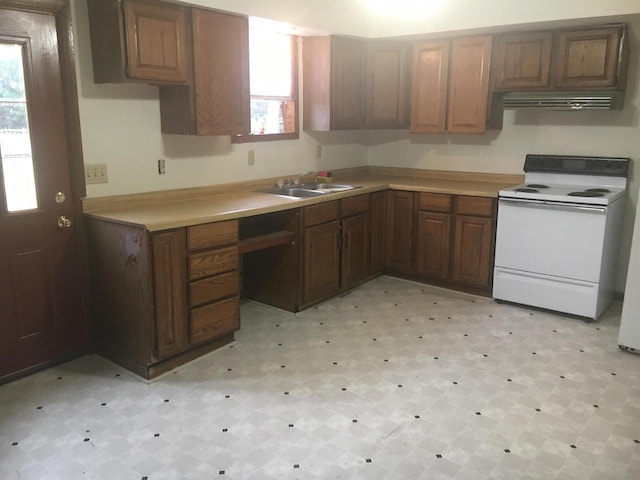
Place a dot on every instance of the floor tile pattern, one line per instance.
(394, 380)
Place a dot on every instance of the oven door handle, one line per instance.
(556, 205)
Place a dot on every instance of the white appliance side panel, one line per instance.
(630, 323)
(553, 293)
(613, 234)
(552, 241)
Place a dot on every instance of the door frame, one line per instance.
(61, 10)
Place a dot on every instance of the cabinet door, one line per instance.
(387, 88)
(433, 245)
(169, 283)
(399, 228)
(523, 60)
(355, 250)
(156, 41)
(321, 261)
(588, 58)
(469, 84)
(472, 251)
(221, 71)
(377, 215)
(346, 83)
(429, 87)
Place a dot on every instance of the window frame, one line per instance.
(248, 137)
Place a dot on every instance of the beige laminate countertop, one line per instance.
(165, 210)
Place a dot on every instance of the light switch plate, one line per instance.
(96, 173)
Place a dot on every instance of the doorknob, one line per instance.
(64, 222)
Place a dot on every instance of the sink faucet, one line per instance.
(296, 180)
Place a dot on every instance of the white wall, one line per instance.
(121, 123)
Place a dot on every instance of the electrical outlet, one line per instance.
(318, 151)
(251, 157)
(96, 173)
(161, 169)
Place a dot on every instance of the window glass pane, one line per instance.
(270, 64)
(15, 140)
(266, 116)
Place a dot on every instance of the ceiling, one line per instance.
(380, 18)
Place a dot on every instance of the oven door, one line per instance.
(558, 239)
(549, 254)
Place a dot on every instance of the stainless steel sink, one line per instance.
(307, 190)
(295, 192)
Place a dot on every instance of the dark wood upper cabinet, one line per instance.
(333, 83)
(451, 85)
(429, 87)
(575, 59)
(588, 58)
(139, 41)
(469, 84)
(387, 66)
(522, 60)
(217, 100)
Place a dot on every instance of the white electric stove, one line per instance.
(558, 234)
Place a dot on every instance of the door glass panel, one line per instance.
(15, 140)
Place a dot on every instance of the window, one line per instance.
(273, 66)
(15, 140)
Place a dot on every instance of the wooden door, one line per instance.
(472, 259)
(157, 46)
(355, 250)
(588, 58)
(429, 87)
(399, 228)
(221, 70)
(42, 309)
(347, 112)
(433, 249)
(321, 261)
(378, 227)
(523, 60)
(169, 279)
(387, 86)
(469, 84)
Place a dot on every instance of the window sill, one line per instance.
(268, 137)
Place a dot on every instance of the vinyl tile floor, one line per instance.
(392, 381)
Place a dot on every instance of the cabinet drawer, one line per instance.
(353, 205)
(212, 235)
(215, 320)
(434, 202)
(321, 213)
(478, 206)
(213, 288)
(212, 262)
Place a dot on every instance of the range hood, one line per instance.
(567, 101)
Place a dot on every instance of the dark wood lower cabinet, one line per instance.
(160, 299)
(472, 259)
(355, 250)
(321, 262)
(169, 273)
(433, 245)
(454, 240)
(399, 232)
(377, 223)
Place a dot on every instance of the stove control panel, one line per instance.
(606, 166)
